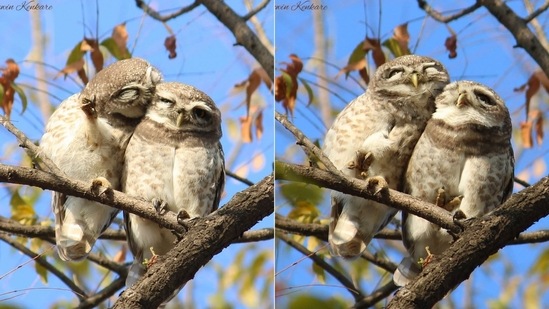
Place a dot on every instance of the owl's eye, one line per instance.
(201, 114)
(127, 94)
(485, 99)
(431, 70)
(394, 72)
(166, 101)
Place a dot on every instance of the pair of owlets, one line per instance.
(129, 131)
(445, 143)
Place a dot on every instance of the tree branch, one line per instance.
(377, 295)
(205, 237)
(518, 27)
(243, 34)
(155, 15)
(357, 187)
(256, 10)
(99, 297)
(537, 12)
(446, 19)
(348, 284)
(481, 238)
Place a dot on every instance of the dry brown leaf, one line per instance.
(259, 125)
(246, 129)
(401, 35)
(170, 44)
(73, 67)
(526, 134)
(364, 74)
(96, 55)
(286, 84)
(120, 37)
(451, 46)
(532, 87)
(120, 256)
(377, 53)
(9, 74)
(536, 119)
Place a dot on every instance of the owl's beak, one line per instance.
(180, 119)
(414, 79)
(462, 100)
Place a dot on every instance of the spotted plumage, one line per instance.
(374, 136)
(86, 138)
(463, 162)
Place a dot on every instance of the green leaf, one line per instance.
(320, 273)
(22, 96)
(357, 55)
(309, 90)
(1, 93)
(111, 46)
(309, 301)
(76, 54)
(295, 192)
(393, 47)
(21, 211)
(42, 272)
(305, 212)
(287, 78)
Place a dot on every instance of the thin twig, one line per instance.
(257, 235)
(446, 19)
(324, 265)
(537, 12)
(241, 179)
(43, 262)
(97, 298)
(164, 18)
(256, 10)
(32, 150)
(377, 295)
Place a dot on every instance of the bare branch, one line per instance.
(204, 238)
(537, 12)
(99, 297)
(324, 265)
(357, 187)
(241, 179)
(257, 235)
(243, 34)
(42, 261)
(164, 18)
(256, 10)
(377, 295)
(320, 231)
(446, 19)
(520, 30)
(32, 150)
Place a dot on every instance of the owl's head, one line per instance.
(410, 76)
(124, 88)
(465, 102)
(184, 108)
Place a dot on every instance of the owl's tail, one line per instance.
(79, 225)
(355, 221)
(406, 271)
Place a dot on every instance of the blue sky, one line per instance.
(207, 59)
(484, 55)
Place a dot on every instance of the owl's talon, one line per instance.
(183, 217)
(377, 184)
(159, 205)
(454, 203)
(428, 259)
(361, 163)
(440, 200)
(100, 185)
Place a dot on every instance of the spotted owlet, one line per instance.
(374, 136)
(463, 162)
(175, 160)
(86, 138)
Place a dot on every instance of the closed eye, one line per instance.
(127, 94)
(394, 72)
(166, 100)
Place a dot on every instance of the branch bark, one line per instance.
(481, 238)
(204, 238)
(243, 34)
